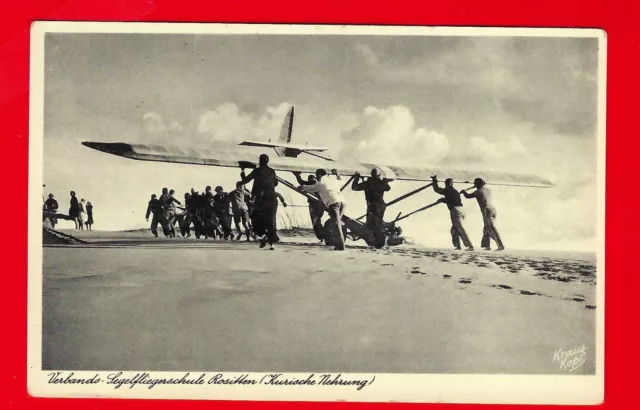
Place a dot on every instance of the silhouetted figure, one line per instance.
(51, 206)
(154, 208)
(263, 193)
(74, 208)
(184, 219)
(454, 203)
(196, 209)
(221, 210)
(374, 189)
(89, 222)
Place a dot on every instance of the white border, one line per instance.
(501, 389)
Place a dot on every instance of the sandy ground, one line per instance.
(127, 301)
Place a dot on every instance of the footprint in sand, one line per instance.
(591, 307)
(502, 286)
(574, 297)
(387, 264)
(446, 276)
(528, 293)
(464, 281)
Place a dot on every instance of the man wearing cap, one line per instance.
(51, 206)
(263, 192)
(374, 189)
(331, 195)
(316, 207)
(483, 195)
(153, 207)
(454, 203)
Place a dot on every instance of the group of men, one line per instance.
(451, 197)
(330, 192)
(211, 213)
(80, 212)
(374, 189)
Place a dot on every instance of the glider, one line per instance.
(306, 159)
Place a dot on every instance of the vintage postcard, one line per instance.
(317, 213)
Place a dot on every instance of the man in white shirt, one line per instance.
(331, 196)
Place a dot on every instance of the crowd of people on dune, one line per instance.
(80, 212)
(254, 212)
(211, 213)
(208, 215)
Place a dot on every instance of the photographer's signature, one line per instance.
(570, 360)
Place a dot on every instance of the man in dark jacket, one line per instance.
(154, 208)
(265, 201)
(221, 210)
(74, 208)
(196, 208)
(51, 206)
(374, 189)
(183, 218)
(454, 203)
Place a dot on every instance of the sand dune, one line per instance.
(128, 301)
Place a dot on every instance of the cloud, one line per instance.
(505, 152)
(228, 123)
(528, 218)
(390, 134)
(551, 84)
(453, 67)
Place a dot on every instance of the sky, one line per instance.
(518, 104)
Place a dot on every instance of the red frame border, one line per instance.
(615, 17)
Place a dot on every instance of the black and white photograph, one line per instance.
(299, 212)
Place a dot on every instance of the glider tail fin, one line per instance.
(285, 132)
